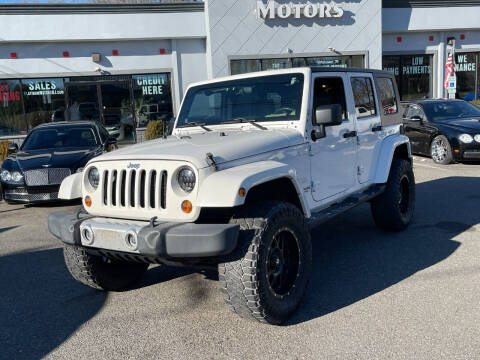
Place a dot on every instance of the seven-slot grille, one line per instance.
(141, 189)
(40, 177)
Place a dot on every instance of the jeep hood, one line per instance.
(225, 146)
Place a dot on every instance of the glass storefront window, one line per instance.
(466, 66)
(413, 74)
(152, 98)
(245, 66)
(44, 100)
(12, 119)
(250, 65)
(276, 64)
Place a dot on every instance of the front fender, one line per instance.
(71, 187)
(220, 189)
(387, 150)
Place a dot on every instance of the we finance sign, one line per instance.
(309, 10)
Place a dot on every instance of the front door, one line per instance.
(368, 123)
(109, 102)
(82, 102)
(117, 111)
(333, 158)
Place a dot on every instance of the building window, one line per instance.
(414, 75)
(44, 100)
(466, 66)
(251, 65)
(12, 118)
(121, 102)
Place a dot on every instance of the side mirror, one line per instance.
(328, 115)
(12, 148)
(416, 118)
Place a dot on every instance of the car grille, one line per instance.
(40, 177)
(140, 189)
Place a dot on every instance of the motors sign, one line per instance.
(272, 10)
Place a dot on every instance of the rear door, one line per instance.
(368, 122)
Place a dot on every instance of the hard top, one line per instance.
(317, 69)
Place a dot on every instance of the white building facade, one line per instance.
(126, 65)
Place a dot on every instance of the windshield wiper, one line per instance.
(243, 120)
(193, 124)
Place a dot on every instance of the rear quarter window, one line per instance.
(387, 96)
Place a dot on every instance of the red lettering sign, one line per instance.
(8, 96)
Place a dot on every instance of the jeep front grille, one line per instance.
(138, 189)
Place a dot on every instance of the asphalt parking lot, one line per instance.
(372, 295)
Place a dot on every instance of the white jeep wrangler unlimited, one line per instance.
(253, 162)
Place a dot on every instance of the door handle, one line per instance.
(350, 134)
(377, 128)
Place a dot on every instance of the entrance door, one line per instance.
(117, 110)
(333, 158)
(82, 101)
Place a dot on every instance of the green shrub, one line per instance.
(3, 150)
(154, 129)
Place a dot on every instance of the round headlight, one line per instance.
(5, 175)
(16, 176)
(186, 179)
(477, 138)
(93, 177)
(465, 138)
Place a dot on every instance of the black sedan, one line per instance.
(445, 130)
(49, 154)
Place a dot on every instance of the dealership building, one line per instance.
(128, 64)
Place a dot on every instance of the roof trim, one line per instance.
(428, 3)
(49, 9)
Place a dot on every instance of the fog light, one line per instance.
(131, 240)
(187, 207)
(88, 235)
(88, 201)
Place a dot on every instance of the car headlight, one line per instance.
(93, 177)
(465, 138)
(5, 175)
(477, 138)
(186, 178)
(17, 177)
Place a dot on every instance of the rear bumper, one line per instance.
(164, 240)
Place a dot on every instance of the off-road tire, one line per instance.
(448, 151)
(245, 276)
(100, 273)
(393, 209)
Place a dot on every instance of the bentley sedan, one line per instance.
(49, 154)
(445, 130)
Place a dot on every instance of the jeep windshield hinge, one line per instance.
(211, 161)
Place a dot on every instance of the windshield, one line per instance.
(267, 98)
(450, 110)
(61, 137)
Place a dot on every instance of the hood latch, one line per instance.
(211, 161)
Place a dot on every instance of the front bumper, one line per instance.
(140, 238)
(466, 152)
(25, 194)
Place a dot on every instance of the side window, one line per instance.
(329, 91)
(387, 97)
(364, 97)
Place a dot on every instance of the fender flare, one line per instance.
(387, 151)
(71, 187)
(220, 189)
